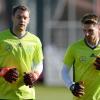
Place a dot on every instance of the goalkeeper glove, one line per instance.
(97, 62)
(30, 78)
(77, 89)
(11, 75)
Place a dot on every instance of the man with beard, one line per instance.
(21, 58)
(84, 57)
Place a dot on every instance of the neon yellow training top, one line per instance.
(81, 56)
(20, 53)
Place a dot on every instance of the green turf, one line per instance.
(52, 93)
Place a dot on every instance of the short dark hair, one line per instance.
(90, 19)
(20, 7)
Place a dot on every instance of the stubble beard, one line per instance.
(92, 40)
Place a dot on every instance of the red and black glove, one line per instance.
(77, 89)
(29, 79)
(11, 75)
(97, 62)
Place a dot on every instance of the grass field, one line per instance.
(52, 93)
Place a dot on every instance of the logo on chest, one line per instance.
(83, 58)
(8, 48)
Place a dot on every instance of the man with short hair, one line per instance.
(84, 57)
(21, 58)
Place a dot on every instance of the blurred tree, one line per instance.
(40, 18)
(3, 15)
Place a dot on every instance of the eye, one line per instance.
(25, 18)
(18, 17)
(90, 31)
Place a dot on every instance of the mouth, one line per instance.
(21, 25)
(92, 39)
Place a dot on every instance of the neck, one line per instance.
(19, 33)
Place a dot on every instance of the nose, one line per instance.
(22, 19)
(86, 32)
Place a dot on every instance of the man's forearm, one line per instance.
(66, 77)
